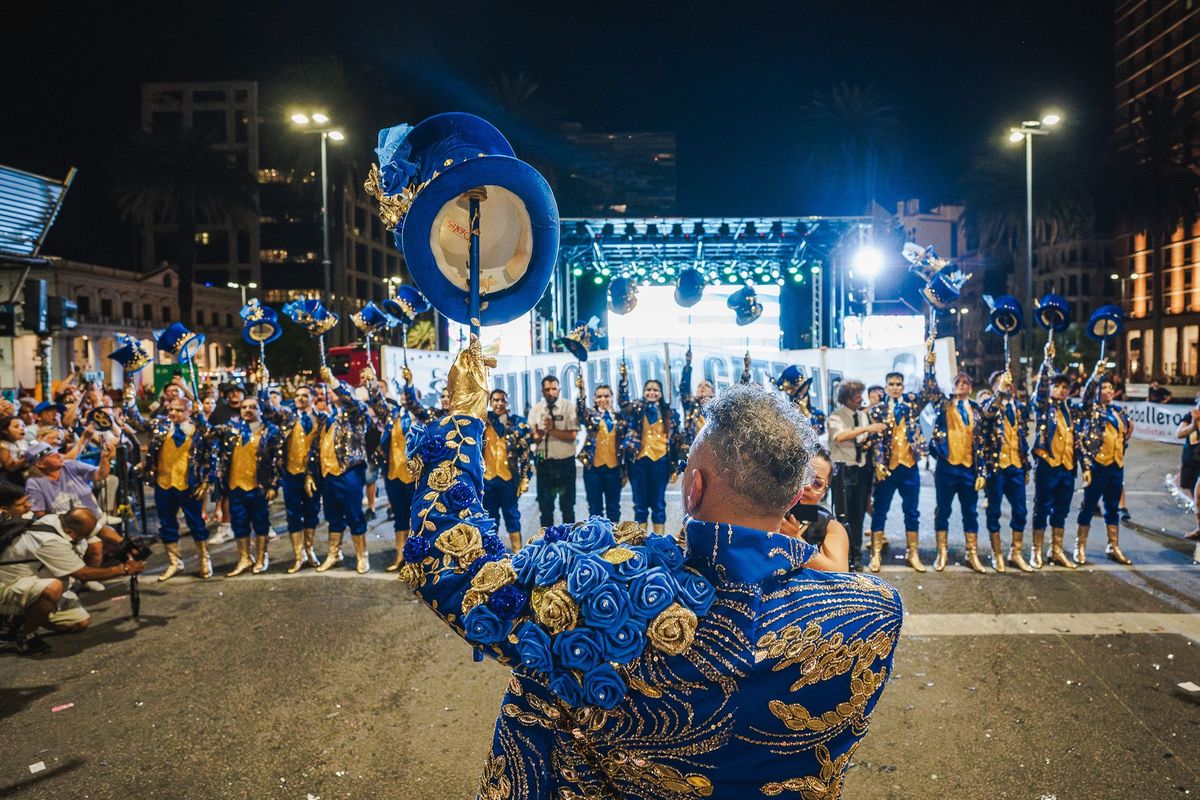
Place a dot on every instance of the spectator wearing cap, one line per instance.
(58, 484)
(49, 416)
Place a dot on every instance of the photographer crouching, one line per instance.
(37, 559)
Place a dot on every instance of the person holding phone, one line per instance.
(812, 522)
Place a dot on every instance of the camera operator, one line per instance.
(554, 430)
(64, 546)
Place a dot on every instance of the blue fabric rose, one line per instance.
(508, 601)
(566, 687)
(651, 593)
(533, 647)
(606, 606)
(586, 573)
(493, 545)
(664, 552)
(415, 439)
(556, 533)
(552, 563)
(485, 524)
(392, 153)
(578, 648)
(625, 642)
(460, 496)
(603, 686)
(416, 548)
(593, 536)
(695, 591)
(434, 450)
(525, 561)
(478, 563)
(484, 627)
(633, 567)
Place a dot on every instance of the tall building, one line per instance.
(1157, 57)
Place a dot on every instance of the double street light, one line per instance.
(243, 287)
(319, 122)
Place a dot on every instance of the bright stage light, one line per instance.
(868, 261)
(1016, 136)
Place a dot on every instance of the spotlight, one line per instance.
(868, 262)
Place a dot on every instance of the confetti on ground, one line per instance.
(38, 767)
(120, 597)
(1188, 686)
(63, 707)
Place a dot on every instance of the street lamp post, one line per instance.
(243, 287)
(318, 122)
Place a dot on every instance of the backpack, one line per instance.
(13, 529)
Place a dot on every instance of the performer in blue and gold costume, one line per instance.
(251, 452)
(298, 429)
(507, 464)
(799, 389)
(641, 671)
(603, 470)
(1106, 430)
(650, 447)
(394, 420)
(1055, 447)
(693, 406)
(337, 464)
(896, 452)
(1007, 452)
(959, 448)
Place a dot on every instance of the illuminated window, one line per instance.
(201, 237)
(272, 256)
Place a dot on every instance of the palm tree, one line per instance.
(176, 177)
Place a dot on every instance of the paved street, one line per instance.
(1052, 685)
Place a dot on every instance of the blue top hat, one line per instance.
(622, 295)
(1006, 316)
(180, 342)
(945, 286)
(262, 323)
(1106, 322)
(792, 382)
(689, 287)
(371, 320)
(579, 340)
(411, 156)
(744, 303)
(407, 304)
(1053, 312)
(130, 354)
(312, 315)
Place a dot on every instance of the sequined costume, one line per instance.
(604, 471)
(508, 461)
(1104, 429)
(650, 449)
(395, 420)
(960, 450)
(1007, 451)
(298, 430)
(693, 413)
(337, 462)
(697, 670)
(1055, 448)
(250, 458)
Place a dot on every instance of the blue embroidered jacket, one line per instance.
(642, 672)
(1000, 411)
(1046, 421)
(386, 414)
(1093, 419)
(940, 447)
(590, 419)
(634, 411)
(350, 434)
(269, 469)
(202, 457)
(908, 408)
(518, 438)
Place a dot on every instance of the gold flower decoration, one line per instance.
(472, 598)
(493, 575)
(416, 465)
(672, 630)
(412, 575)
(442, 477)
(628, 532)
(462, 542)
(554, 608)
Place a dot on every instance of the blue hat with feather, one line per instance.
(312, 315)
(180, 342)
(407, 304)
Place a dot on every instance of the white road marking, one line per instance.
(1050, 624)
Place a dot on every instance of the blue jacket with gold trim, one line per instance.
(909, 408)
(202, 457)
(1046, 421)
(590, 419)
(641, 670)
(939, 448)
(350, 437)
(1000, 411)
(634, 411)
(269, 469)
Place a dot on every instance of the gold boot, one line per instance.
(659, 528)
(911, 556)
(1038, 551)
(206, 569)
(310, 552)
(362, 564)
(244, 561)
(943, 550)
(401, 540)
(335, 553)
(997, 553)
(1081, 535)
(1057, 556)
(972, 556)
(515, 540)
(174, 562)
(299, 558)
(876, 551)
(1113, 549)
(1015, 557)
(262, 559)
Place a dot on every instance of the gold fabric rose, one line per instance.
(628, 532)
(672, 630)
(472, 598)
(463, 542)
(441, 478)
(412, 575)
(493, 575)
(416, 466)
(554, 608)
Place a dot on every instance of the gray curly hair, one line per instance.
(762, 444)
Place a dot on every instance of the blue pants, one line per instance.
(248, 510)
(303, 512)
(343, 499)
(500, 501)
(1106, 485)
(400, 497)
(649, 481)
(1052, 490)
(169, 502)
(951, 481)
(906, 481)
(1007, 483)
(603, 488)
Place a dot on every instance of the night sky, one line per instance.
(728, 81)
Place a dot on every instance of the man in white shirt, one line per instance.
(849, 429)
(554, 425)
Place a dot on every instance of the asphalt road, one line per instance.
(1052, 685)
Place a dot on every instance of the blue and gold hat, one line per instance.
(130, 354)
(745, 305)
(371, 320)
(945, 287)
(1005, 316)
(689, 287)
(407, 304)
(262, 323)
(1106, 322)
(579, 341)
(312, 315)
(1053, 312)
(622, 295)
(180, 342)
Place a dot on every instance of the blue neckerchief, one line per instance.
(244, 429)
(652, 413)
(962, 412)
(608, 422)
(494, 421)
(745, 555)
(405, 420)
(306, 422)
(1010, 414)
(179, 437)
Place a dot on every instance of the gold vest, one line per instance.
(329, 459)
(243, 465)
(398, 458)
(1062, 446)
(1010, 448)
(960, 436)
(173, 462)
(1112, 443)
(654, 440)
(298, 445)
(901, 449)
(606, 446)
(495, 455)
